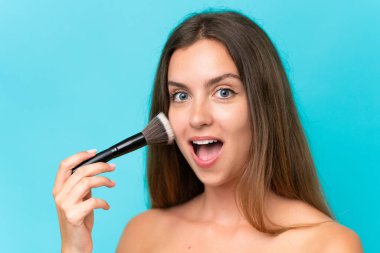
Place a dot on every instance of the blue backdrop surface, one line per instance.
(76, 75)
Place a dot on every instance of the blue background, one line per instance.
(76, 75)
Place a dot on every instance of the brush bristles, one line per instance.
(158, 131)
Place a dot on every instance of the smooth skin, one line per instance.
(210, 222)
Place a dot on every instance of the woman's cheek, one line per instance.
(177, 121)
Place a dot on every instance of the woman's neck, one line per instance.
(218, 205)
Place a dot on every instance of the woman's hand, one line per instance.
(75, 205)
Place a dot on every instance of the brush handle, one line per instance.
(128, 145)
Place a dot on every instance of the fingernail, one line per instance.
(113, 166)
(91, 151)
(113, 182)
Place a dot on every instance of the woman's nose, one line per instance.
(201, 115)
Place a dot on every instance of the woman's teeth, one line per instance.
(206, 150)
(204, 142)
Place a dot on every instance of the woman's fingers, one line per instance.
(92, 170)
(64, 170)
(76, 215)
(89, 170)
(72, 195)
(77, 190)
(85, 185)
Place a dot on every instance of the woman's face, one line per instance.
(209, 111)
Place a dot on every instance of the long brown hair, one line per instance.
(280, 159)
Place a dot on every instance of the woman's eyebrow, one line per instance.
(220, 78)
(176, 84)
(209, 82)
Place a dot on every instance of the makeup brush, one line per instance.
(158, 131)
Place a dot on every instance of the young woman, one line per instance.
(240, 176)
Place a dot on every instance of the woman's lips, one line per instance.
(206, 155)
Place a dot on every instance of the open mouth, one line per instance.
(207, 150)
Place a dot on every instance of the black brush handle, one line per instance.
(128, 145)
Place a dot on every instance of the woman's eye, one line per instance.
(224, 93)
(180, 96)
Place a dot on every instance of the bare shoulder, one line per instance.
(335, 238)
(324, 235)
(328, 235)
(289, 212)
(152, 227)
(139, 233)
